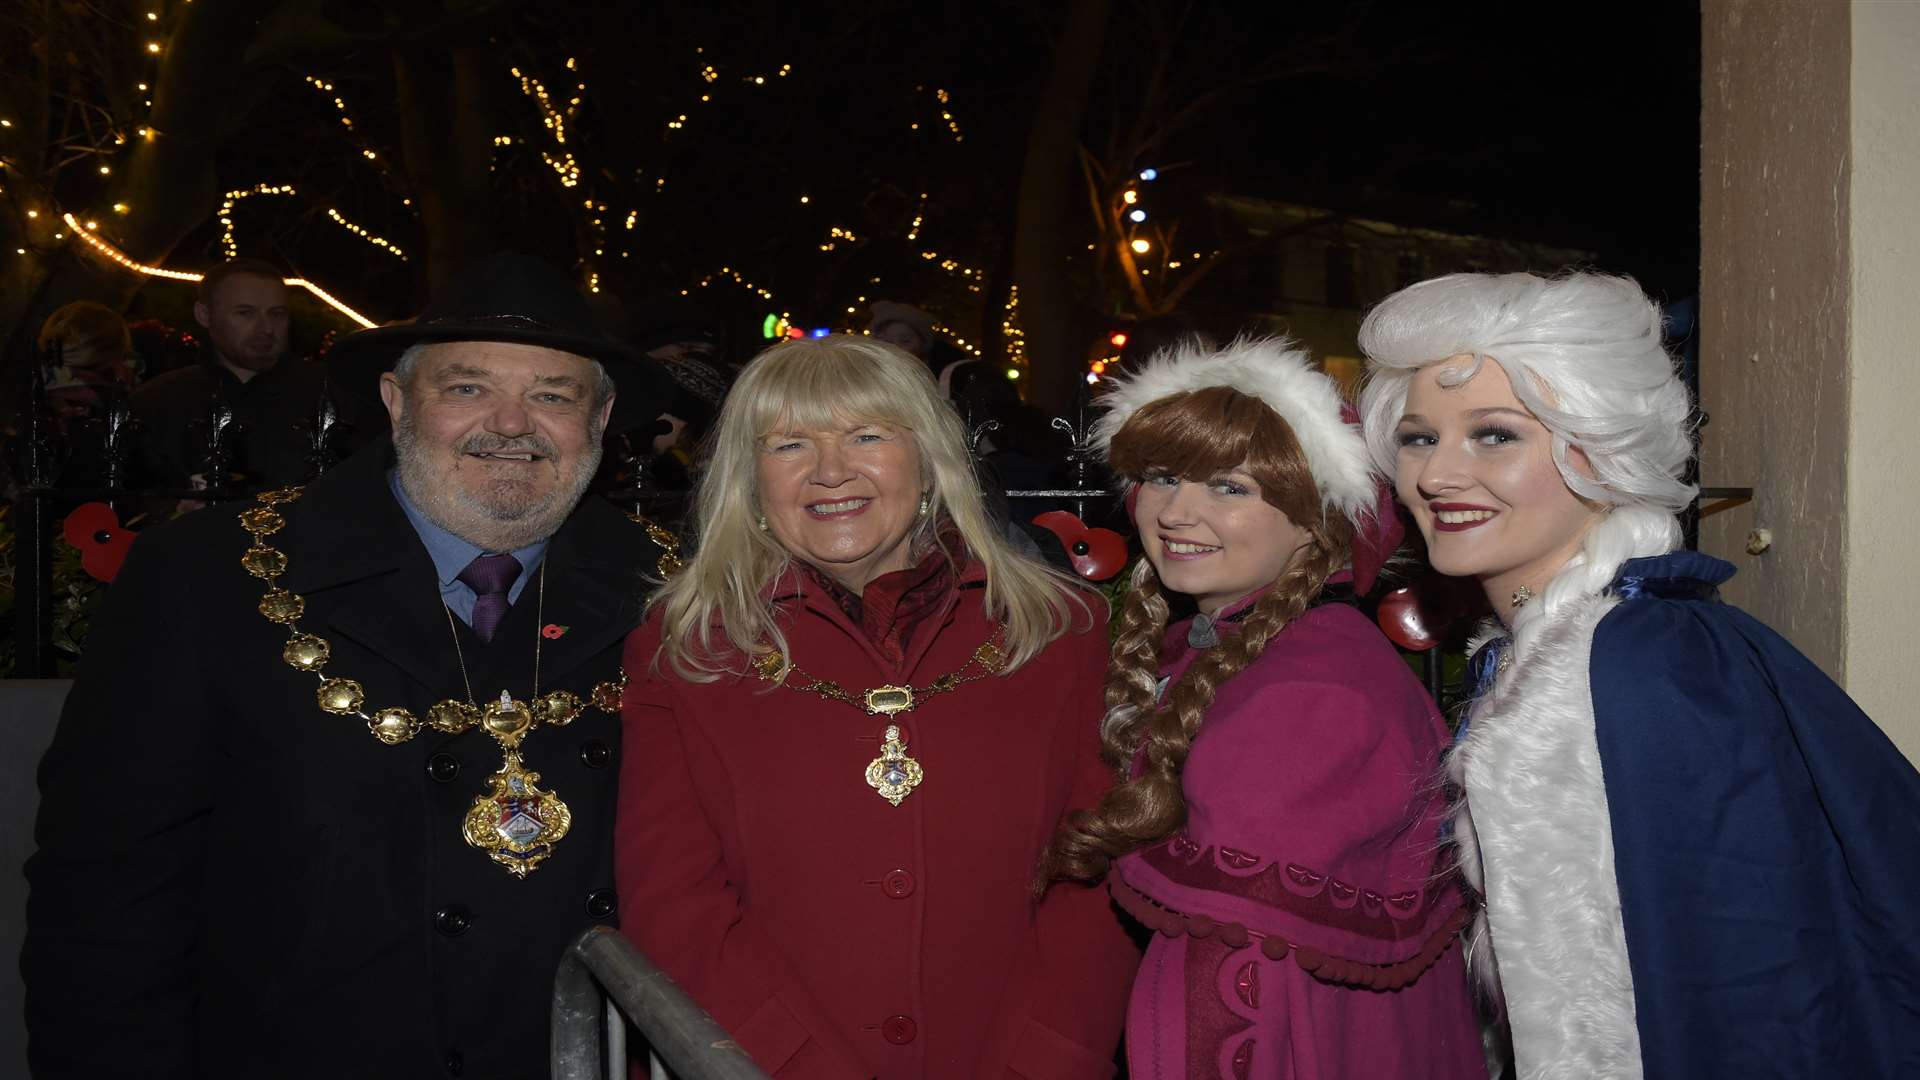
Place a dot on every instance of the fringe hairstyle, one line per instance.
(833, 383)
(1584, 355)
(1195, 435)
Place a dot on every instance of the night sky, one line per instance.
(1576, 125)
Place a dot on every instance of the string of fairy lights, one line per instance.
(88, 232)
(115, 255)
(346, 119)
(232, 199)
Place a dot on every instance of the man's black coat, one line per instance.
(231, 882)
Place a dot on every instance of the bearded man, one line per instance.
(335, 786)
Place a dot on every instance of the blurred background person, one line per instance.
(905, 327)
(89, 358)
(243, 306)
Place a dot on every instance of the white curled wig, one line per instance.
(1583, 352)
(1281, 376)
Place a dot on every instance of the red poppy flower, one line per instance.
(95, 530)
(552, 631)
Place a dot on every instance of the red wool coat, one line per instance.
(836, 935)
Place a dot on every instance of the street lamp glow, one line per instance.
(1137, 216)
(1142, 246)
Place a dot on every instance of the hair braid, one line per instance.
(1133, 679)
(1145, 808)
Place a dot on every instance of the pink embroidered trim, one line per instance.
(1296, 889)
(1331, 969)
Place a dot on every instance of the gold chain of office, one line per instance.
(513, 821)
(894, 774)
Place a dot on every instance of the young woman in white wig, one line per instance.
(1698, 855)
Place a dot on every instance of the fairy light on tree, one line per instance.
(1012, 335)
(232, 200)
(555, 119)
(953, 124)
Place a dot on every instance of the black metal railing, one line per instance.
(45, 482)
(601, 969)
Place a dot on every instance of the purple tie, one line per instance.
(490, 576)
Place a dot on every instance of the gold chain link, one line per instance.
(886, 700)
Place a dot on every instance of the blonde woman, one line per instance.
(855, 717)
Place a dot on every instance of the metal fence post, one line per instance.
(33, 533)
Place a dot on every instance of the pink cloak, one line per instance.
(1308, 915)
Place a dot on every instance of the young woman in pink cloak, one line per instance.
(1278, 815)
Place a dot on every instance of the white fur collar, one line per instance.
(1536, 840)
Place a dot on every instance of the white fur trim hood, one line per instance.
(1280, 375)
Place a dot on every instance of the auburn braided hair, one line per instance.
(1196, 436)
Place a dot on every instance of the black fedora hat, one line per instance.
(506, 297)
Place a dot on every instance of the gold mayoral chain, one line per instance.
(893, 774)
(514, 821)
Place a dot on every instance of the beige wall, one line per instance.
(1883, 466)
(1810, 263)
(1773, 304)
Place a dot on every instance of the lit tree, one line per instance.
(1170, 68)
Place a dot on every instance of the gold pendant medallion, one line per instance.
(893, 774)
(516, 822)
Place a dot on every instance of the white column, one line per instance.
(1883, 433)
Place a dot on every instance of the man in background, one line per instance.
(244, 309)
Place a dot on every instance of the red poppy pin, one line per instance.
(552, 631)
(95, 529)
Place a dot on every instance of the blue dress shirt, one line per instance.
(451, 554)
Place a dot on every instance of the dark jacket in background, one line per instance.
(270, 450)
(232, 883)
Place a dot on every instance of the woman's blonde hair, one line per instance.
(827, 384)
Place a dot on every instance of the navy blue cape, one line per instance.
(1766, 842)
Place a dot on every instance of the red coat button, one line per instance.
(899, 1030)
(898, 884)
